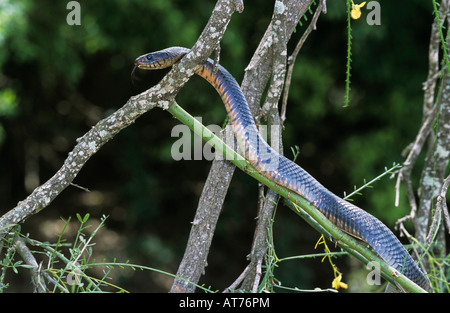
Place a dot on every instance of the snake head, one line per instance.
(147, 62)
(160, 59)
(154, 61)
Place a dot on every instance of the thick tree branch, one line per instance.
(271, 114)
(270, 111)
(253, 85)
(436, 162)
(106, 129)
(435, 129)
(430, 111)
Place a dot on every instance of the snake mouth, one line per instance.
(142, 62)
(149, 62)
(141, 65)
(145, 66)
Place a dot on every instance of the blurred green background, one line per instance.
(57, 81)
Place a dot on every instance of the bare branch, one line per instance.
(430, 111)
(291, 61)
(441, 207)
(36, 277)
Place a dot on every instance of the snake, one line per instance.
(282, 171)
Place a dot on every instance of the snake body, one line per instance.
(284, 172)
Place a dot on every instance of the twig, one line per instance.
(238, 280)
(293, 56)
(441, 206)
(368, 184)
(258, 269)
(239, 5)
(80, 187)
(70, 265)
(35, 268)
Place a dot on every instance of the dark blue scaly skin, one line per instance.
(283, 171)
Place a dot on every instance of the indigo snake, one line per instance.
(285, 172)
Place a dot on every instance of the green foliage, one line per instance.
(349, 55)
(444, 42)
(8, 102)
(307, 14)
(8, 107)
(270, 282)
(69, 265)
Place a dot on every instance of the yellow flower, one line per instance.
(337, 283)
(356, 10)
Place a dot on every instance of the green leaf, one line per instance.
(84, 219)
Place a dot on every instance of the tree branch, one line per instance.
(106, 129)
(253, 85)
(291, 61)
(430, 111)
(436, 129)
(36, 276)
(436, 162)
(270, 112)
(441, 208)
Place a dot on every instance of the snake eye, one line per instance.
(149, 57)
